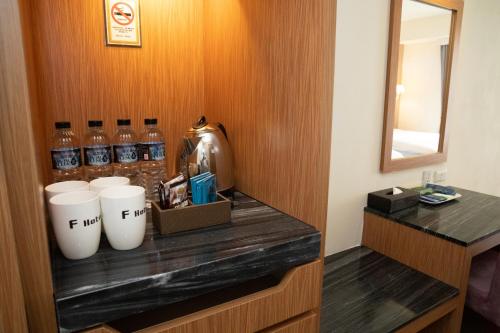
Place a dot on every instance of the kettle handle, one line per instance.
(223, 129)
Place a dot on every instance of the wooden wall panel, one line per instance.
(22, 176)
(269, 80)
(12, 313)
(406, 245)
(79, 78)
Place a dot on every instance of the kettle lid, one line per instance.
(202, 126)
(201, 122)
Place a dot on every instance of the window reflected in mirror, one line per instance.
(421, 79)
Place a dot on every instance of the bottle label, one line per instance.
(66, 158)
(152, 151)
(125, 153)
(97, 155)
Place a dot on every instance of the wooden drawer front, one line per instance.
(308, 322)
(299, 292)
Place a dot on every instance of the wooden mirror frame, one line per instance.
(387, 164)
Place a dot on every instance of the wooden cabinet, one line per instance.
(246, 63)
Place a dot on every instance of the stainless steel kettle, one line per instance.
(205, 148)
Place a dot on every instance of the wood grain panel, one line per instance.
(21, 172)
(37, 118)
(12, 314)
(269, 79)
(416, 249)
(292, 297)
(79, 78)
(436, 257)
(307, 322)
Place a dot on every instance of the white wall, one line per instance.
(474, 124)
(474, 150)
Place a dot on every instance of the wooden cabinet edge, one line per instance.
(292, 297)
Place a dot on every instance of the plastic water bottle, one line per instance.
(66, 154)
(125, 152)
(152, 157)
(97, 152)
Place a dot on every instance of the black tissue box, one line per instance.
(386, 202)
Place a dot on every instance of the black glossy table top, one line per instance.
(167, 269)
(364, 291)
(469, 219)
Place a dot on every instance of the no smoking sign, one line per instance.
(122, 22)
(122, 13)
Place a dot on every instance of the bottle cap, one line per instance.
(150, 121)
(63, 124)
(123, 122)
(95, 123)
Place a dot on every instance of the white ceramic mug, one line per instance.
(124, 216)
(64, 187)
(99, 184)
(76, 219)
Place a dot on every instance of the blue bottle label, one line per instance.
(125, 153)
(97, 155)
(152, 151)
(66, 158)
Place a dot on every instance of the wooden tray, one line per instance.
(169, 221)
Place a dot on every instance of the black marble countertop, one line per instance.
(364, 291)
(112, 284)
(464, 221)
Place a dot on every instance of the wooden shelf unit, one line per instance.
(245, 63)
(437, 257)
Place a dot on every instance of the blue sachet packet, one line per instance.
(206, 184)
(195, 178)
(197, 190)
(212, 191)
(195, 193)
(201, 175)
(204, 190)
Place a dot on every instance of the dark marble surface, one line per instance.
(167, 269)
(467, 220)
(364, 291)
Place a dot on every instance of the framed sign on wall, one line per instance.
(123, 26)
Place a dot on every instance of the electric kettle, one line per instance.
(205, 148)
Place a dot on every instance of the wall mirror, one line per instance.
(423, 38)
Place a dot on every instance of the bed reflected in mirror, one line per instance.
(422, 37)
(423, 48)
